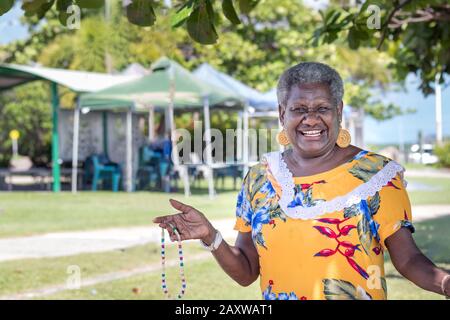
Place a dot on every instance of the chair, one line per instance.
(232, 171)
(149, 168)
(98, 168)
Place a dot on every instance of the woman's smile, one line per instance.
(312, 135)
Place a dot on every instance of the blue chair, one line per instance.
(148, 174)
(99, 169)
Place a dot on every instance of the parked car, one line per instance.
(426, 157)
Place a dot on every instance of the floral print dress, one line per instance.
(326, 239)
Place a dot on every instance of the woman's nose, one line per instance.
(311, 119)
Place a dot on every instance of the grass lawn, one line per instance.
(209, 281)
(23, 214)
(23, 275)
(422, 197)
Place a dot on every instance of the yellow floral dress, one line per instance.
(322, 236)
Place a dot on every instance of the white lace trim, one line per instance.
(284, 177)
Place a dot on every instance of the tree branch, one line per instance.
(386, 23)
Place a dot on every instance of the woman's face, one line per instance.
(310, 119)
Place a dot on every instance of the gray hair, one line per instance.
(310, 72)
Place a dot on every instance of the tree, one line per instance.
(270, 38)
(415, 33)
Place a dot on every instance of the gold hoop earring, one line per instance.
(282, 138)
(344, 138)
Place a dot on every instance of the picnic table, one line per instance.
(41, 177)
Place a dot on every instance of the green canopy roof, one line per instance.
(154, 88)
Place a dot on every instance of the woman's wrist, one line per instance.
(445, 285)
(209, 238)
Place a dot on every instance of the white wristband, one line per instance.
(215, 244)
(443, 283)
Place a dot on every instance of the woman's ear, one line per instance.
(340, 108)
(281, 111)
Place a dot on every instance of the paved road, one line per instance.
(71, 243)
(427, 173)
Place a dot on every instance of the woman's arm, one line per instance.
(413, 264)
(240, 261)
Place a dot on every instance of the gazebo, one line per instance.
(12, 75)
(168, 87)
(257, 104)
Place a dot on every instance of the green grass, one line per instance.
(23, 214)
(418, 166)
(27, 274)
(205, 278)
(423, 197)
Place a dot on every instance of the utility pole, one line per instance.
(438, 108)
(108, 58)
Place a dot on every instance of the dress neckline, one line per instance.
(334, 171)
(284, 178)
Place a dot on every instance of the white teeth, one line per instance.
(312, 133)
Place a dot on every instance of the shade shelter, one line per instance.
(12, 75)
(168, 87)
(256, 103)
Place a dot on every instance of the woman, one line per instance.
(315, 220)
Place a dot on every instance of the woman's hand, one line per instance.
(190, 223)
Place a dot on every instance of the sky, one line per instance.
(397, 130)
(405, 128)
(10, 27)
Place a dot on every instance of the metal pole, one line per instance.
(182, 169)
(151, 123)
(76, 128)
(105, 133)
(239, 137)
(55, 139)
(209, 161)
(438, 107)
(129, 184)
(245, 141)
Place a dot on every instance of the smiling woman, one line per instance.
(315, 220)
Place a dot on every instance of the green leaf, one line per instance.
(230, 12)
(245, 6)
(352, 38)
(90, 4)
(141, 13)
(200, 26)
(5, 6)
(335, 289)
(365, 237)
(384, 285)
(182, 14)
(44, 8)
(338, 290)
(374, 204)
(351, 211)
(62, 5)
(31, 7)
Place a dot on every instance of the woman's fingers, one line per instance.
(180, 206)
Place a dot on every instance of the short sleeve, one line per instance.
(394, 209)
(244, 210)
